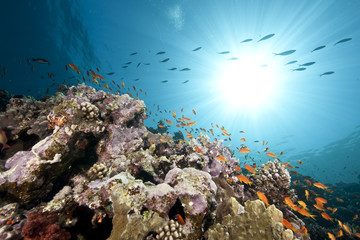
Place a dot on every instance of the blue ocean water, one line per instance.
(308, 117)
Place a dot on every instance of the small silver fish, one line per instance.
(327, 73)
(165, 60)
(164, 81)
(185, 81)
(318, 48)
(306, 64)
(40, 60)
(343, 40)
(246, 40)
(299, 69)
(291, 62)
(196, 49)
(267, 37)
(185, 69)
(172, 69)
(285, 53)
(159, 53)
(233, 58)
(224, 52)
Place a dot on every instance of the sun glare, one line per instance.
(246, 83)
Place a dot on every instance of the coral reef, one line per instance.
(95, 170)
(256, 222)
(272, 179)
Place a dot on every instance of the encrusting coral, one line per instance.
(94, 157)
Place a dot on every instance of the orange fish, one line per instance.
(237, 168)
(320, 185)
(161, 126)
(357, 234)
(134, 88)
(174, 114)
(289, 202)
(190, 124)
(308, 182)
(249, 168)
(320, 200)
(3, 140)
(271, 155)
(300, 162)
(339, 200)
(263, 198)
(169, 122)
(340, 224)
(227, 134)
(266, 149)
(178, 125)
(302, 204)
(331, 236)
(74, 67)
(244, 150)
(194, 112)
(242, 139)
(319, 207)
(221, 158)
(340, 233)
(183, 124)
(355, 217)
(307, 195)
(326, 216)
(281, 153)
(189, 136)
(212, 132)
(162, 140)
(198, 149)
(97, 69)
(347, 229)
(288, 225)
(98, 76)
(244, 179)
(184, 119)
(305, 213)
(303, 230)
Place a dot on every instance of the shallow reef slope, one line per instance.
(82, 165)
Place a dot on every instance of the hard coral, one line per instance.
(257, 222)
(272, 179)
(171, 230)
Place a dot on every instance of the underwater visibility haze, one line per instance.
(270, 79)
